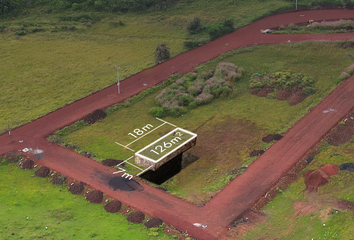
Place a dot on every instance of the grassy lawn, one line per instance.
(283, 219)
(47, 70)
(229, 128)
(65, 215)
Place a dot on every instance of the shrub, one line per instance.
(220, 29)
(162, 53)
(194, 25)
(309, 90)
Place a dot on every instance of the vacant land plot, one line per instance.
(228, 129)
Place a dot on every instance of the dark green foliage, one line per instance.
(194, 43)
(220, 29)
(162, 53)
(194, 25)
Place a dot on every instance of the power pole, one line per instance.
(118, 79)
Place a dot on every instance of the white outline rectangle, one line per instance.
(166, 154)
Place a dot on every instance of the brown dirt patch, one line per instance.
(174, 232)
(153, 223)
(265, 91)
(254, 91)
(272, 137)
(95, 197)
(95, 116)
(58, 179)
(300, 208)
(343, 132)
(27, 164)
(314, 179)
(330, 169)
(136, 217)
(284, 94)
(255, 153)
(113, 207)
(112, 162)
(245, 224)
(297, 98)
(76, 188)
(42, 172)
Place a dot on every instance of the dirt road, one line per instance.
(242, 192)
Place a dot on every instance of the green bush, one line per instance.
(162, 53)
(220, 29)
(194, 25)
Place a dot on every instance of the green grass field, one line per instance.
(282, 220)
(47, 70)
(65, 215)
(229, 128)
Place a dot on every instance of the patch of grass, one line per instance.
(67, 65)
(66, 216)
(282, 222)
(340, 26)
(249, 116)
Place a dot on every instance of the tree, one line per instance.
(162, 53)
(194, 25)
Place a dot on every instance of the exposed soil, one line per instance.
(136, 217)
(58, 179)
(347, 166)
(272, 137)
(245, 224)
(255, 153)
(113, 207)
(112, 162)
(95, 197)
(314, 179)
(27, 164)
(153, 223)
(330, 169)
(301, 208)
(254, 91)
(297, 98)
(95, 116)
(76, 188)
(42, 172)
(284, 94)
(343, 132)
(265, 91)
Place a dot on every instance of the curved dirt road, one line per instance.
(241, 193)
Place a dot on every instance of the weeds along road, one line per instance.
(242, 192)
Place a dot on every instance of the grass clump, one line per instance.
(194, 90)
(282, 79)
(318, 27)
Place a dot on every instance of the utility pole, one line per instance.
(296, 6)
(118, 79)
(10, 132)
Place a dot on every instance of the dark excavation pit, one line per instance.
(95, 116)
(112, 162)
(113, 207)
(42, 172)
(95, 197)
(136, 217)
(153, 223)
(76, 188)
(27, 164)
(256, 153)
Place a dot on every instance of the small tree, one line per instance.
(194, 25)
(162, 53)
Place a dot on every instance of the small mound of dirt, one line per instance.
(136, 217)
(330, 169)
(112, 162)
(284, 94)
(347, 166)
(58, 179)
(314, 179)
(272, 137)
(27, 164)
(113, 207)
(343, 132)
(297, 98)
(153, 223)
(254, 91)
(42, 172)
(76, 188)
(255, 153)
(265, 91)
(95, 116)
(95, 197)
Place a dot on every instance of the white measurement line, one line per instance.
(166, 122)
(144, 135)
(134, 166)
(144, 171)
(124, 161)
(125, 146)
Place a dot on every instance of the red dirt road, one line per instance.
(241, 193)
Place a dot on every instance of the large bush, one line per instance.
(162, 53)
(196, 89)
(194, 25)
(220, 29)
